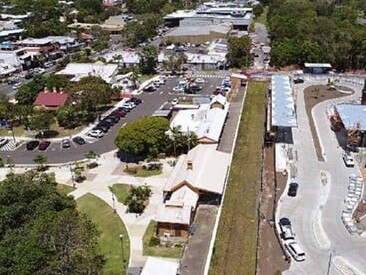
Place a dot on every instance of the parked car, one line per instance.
(31, 145)
(95, 133)
(295, 250)
(292, 190)
(102, 128)
(106, 122)
(65, 143)
(178, 89)
(150, 88)
(286, 229)
(348, 159)
(17, 85)
(114, 118)
(43, 145)
(3, 141)
(124, 109)
(200, 80)
(298, 80)
(78, 140)
(195, 88)
(118, 113)
(136, 100)
(28, 76)
(175, 101)
(129, 105)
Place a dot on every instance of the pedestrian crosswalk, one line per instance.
(209, 76)
(9, 146)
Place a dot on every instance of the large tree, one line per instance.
(41, 231)
(174, 61)
(144, 137)
(239, 52)
(148, 59)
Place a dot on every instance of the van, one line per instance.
(295, 250)
(286, 229)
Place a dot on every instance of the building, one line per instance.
(198, 33)
(159, 266)
(20, 59)
(317, 68)
(125, 59)
(51, 100)
(76, 71)
(198, 176)
(113, 25)
(7, 70)
(240, 18)
(49, 44)
(207, 122)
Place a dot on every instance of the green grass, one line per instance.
(110, 227)
(64, 189)
(158, 251)
(18, 131)
(236, 240)
(120, 191)
(145, 77)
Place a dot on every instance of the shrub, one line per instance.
(154, 241)
(92, 165)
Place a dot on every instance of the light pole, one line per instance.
(329, 262)
(123, 252)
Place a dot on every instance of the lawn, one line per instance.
(235, 247)
(64, 189)
(110, 227)
(120, 191)
(145, 77)
(18, 131)
(158, 251)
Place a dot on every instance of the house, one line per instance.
(7, 70)
(207, 122)
(125, 59)
(198, 176)
(18, 58)
(160, 266)
(200, 61)
(41, 45)
(51, 100)
(76, 71)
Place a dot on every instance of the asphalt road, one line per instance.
(151, 102)
(320, 235)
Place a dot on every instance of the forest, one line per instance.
(318, 31)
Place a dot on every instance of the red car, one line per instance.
(118, 113)
(44, 145)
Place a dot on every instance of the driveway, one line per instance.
(316, 211)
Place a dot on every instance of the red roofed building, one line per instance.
(51, 100)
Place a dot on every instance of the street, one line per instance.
(315, 212)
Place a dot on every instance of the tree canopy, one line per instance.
(317, 31)
(148, 59)
(41, 231)
(143, 137)
(239, 52)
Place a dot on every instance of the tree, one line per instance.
(134, 77)
(41, 120)
(27, 93)
(57, 81)
(41, 231)
(137, 198)
(258, 9)
(238, 55)
(148, 59)
(174, 61)
(78, 172)
(179, 142)
(40, 160)
(143, 137)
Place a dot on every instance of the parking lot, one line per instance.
(151, 102)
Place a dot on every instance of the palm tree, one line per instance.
(135, 77)
(40, 160)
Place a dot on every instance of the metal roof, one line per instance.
(351, 115)
(318, 65)
(283, 108)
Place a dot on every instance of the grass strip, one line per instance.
(236, 241)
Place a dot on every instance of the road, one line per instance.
(324, 235)
(151, 102)
(260, 37)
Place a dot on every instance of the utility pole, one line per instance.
(329, 262)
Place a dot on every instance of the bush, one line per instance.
(154, 241)
(92, 165)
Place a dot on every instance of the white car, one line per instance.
(129, 105)
(178, 89)
(3, 141)
(200, 80)
(95, 133)
(348, 159)
(175, 101)
(295, 250)
(17, 85)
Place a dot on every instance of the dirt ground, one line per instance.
(271, 258)
(312, 96)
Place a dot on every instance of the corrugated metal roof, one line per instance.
(283, 108)
(352, 115)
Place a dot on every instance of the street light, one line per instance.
(123, 252)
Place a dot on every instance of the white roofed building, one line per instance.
(79, 70)
(207, 122)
